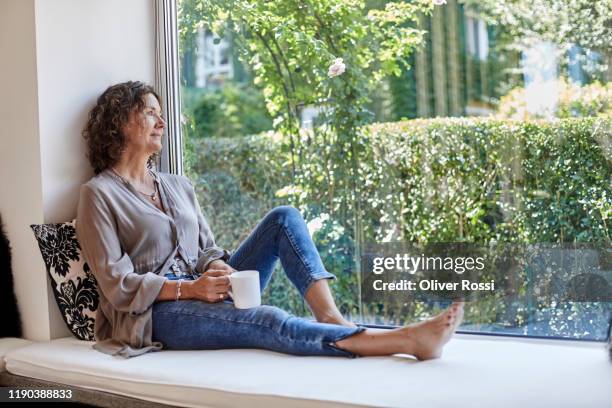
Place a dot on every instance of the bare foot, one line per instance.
(426, 339)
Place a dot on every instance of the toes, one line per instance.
(456, 309)
(458, 318)
(450, 319)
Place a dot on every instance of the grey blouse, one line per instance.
(130, 245)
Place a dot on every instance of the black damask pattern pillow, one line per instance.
(75, 288)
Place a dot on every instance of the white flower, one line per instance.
(316, 224)
(438, 2)
(337, 68)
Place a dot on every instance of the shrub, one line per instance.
(573, 101)
(422, 181)
(234, 110)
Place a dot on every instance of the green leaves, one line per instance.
(231, 111)
(582, 22)
(573, 101)
(441, 180)
(289, 45)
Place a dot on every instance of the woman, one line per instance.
(163, 282)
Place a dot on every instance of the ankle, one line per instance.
(408, 340)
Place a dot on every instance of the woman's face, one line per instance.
(145, 128)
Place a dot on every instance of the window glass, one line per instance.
(490, 141)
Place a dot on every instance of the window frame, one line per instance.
(168, 85)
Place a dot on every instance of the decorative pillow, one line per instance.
(75, 288)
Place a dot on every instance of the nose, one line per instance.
(161, 123)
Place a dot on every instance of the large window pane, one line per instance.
(491, 135)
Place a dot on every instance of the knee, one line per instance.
(283, 214)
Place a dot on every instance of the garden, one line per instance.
(385, 122)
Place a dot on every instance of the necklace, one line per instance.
(152, 196)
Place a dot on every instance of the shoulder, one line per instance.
(102, 188)
(95, 197)
(97, 185)
(99, 180)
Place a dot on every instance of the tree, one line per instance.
(290, 46)
(586, 23)
(233, 110)
(322, 53)
(564, 23)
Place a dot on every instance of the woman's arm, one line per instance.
(207, 288)
(168, 291)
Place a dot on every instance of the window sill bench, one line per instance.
(475, 371)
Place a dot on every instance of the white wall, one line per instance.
(21, 202)
(82, 48)
(64, 54)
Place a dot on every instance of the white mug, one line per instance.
(245, 289)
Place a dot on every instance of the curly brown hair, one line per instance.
(103, 131)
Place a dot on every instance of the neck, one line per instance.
(133, 168)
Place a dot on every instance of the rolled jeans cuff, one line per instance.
(315, 277)
(339, 351)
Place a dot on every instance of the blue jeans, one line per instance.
(197, 325)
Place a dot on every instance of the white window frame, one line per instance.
(167, 83)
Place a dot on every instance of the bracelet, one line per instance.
(178, 290)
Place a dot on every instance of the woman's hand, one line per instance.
(211, 287)
(219, 264)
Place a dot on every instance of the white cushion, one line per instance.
(7, 344)
(475, 371)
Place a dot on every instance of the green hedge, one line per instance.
(431, 180)
(437, 180)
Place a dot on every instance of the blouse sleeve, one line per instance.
(96, 230)
(208, 251)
